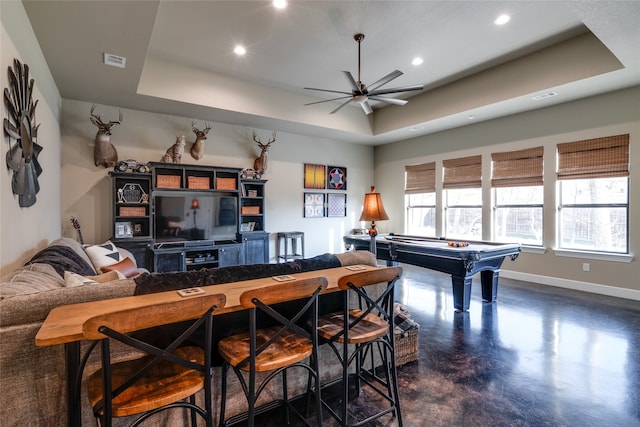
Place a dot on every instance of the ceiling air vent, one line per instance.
(114, 60)
(544, 96)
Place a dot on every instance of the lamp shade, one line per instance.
(195, 204)
(373, 209)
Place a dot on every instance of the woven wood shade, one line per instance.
(420, 178)
(517, 168)
(594, 158)
(464, 172)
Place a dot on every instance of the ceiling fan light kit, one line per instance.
(361, 94)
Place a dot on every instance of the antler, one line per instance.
(268, 144)
(203, 131)
(96, 120)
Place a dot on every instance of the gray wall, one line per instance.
(609, 114)
(145, 137)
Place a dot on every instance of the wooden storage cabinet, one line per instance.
(173, 176)
(252, 217)
(256, 247)
(132, 218)
(141, 251)
(134, 196)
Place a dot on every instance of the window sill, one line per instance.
(534, 249)
(593, 255)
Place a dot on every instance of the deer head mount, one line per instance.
(260, 164)
(104, 153)
(197, 149)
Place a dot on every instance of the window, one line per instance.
(420, 199)
(464, 213)
(593, 192)
(462, 181)
(421, 214)
(516, 178)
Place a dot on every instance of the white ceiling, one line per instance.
(180, 60)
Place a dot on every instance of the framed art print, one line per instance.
(313, 205)
(314, 176)
(336, 204)
(336, 178)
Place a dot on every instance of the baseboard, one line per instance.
(594, 288)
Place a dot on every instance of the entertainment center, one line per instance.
(186, 217)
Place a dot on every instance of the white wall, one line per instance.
(145, 136)
(23, 231)
(605, 115)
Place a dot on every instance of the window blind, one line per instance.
(594, 158)
(420, 178)
(464, 172)
(517, 168)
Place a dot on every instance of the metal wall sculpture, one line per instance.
(22, 158)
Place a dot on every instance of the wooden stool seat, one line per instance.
(168, 376)
(164, 384)
(274, 349)
(288, 349)
(371, 327)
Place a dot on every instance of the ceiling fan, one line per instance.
(361, 94)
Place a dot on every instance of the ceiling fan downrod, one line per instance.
(359, 37)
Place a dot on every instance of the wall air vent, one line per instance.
(544, 96)
(114, 60)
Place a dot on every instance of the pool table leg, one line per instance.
(489, 280)
(461, 292)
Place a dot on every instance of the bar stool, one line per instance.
(365, 330)
(289, 237)
(273, 350)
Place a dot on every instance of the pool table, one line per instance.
(461, 262)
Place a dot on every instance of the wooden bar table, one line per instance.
(63, 325)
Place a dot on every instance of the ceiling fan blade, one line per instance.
(328, 90)
(396, 90)
(393, 101)
(341, 105)
(327, 100)
(366, 107)
(352, 82)
(386, 79)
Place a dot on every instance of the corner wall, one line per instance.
(145, 136)
(604, 115)
(23, 231)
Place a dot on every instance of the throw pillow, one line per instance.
(126, 267)
(72, 279)
(105, 254)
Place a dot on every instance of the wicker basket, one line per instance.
(168, 181)
(226, 184)
(132, 211)
(250, 210)
(406, 346)
(198, 182)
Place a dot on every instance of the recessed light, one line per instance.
(502, 19)
(471, 117)
(280, 4)
(544, 96)
(416, 129)
(417, 61)
(240, 50)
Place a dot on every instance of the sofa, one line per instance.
(32, 379)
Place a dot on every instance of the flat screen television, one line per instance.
(193, 216)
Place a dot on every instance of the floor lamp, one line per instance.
(373, 210)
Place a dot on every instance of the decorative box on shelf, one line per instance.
(168, 181)
(198, 183)
(226, 184)
(132, 211)
(252, 193)
(250, 210)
